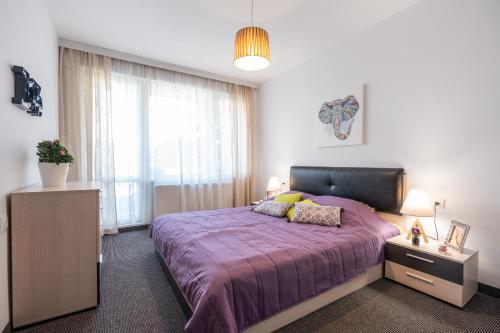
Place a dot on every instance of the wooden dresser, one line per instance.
(450, 276)
(55, 251)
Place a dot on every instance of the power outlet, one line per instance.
(4, 223)
(440, 203)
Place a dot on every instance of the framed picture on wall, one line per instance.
(339, 120)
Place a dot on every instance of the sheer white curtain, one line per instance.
(179, 130)
(85, 124)
(183, 132)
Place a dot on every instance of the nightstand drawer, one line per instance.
(426, 283)
(446, 269)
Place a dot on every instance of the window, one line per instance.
(166, 133)
(134, 127)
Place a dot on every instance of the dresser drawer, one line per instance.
(426, 283)
(439, 267)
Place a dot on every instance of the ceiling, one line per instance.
(200, 33)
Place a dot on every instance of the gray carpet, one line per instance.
(137, 298)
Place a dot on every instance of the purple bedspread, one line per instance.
(237, 267)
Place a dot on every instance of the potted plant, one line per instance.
(53, 162)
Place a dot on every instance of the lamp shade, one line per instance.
(417, 203)
(251, 49)
(273, 185)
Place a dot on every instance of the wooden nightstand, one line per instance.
(450, 276)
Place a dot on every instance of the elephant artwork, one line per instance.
(340, 113)
(339, 119)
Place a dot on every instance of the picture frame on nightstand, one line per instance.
(457, 234)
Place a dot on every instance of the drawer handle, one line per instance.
(420, 258)
(419, 278)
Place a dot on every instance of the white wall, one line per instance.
(432, 106)
(28, 39)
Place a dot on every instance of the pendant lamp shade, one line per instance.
(251, 49)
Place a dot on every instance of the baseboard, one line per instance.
(133, 228)
(7, 328)
(488, 290)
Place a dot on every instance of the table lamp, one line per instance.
(417, 204)
(273, 187)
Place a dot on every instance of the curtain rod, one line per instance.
(150, 62)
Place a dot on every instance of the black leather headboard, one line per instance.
(380, 188)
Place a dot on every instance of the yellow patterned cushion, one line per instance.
(288, 197)
(291, 212)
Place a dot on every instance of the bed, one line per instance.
(238, 271)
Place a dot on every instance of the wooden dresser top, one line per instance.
(70, 186)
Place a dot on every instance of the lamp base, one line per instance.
(417, 224)
(270, 194)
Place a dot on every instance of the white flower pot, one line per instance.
(53, 174)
